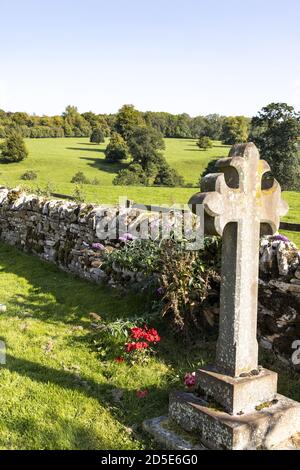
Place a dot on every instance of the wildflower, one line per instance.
(126, 237)
(152, 336)
(281, 238)
(119, 359)
(160, 291)
(190, 379)
(98, 246)
(136, 346)
(142, 393)
(137, 333)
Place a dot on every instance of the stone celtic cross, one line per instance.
(238, 208)
(236, 404)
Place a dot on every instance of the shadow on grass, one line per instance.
(84, 149)
(128, 408)
(55, 296)
(103, 165)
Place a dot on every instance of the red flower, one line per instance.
(119, 359)
(141, 345)
(150, 335)
(137, 333)
(130, 347)
(142, 393)
(136, 346)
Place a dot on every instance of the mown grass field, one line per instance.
(57, 160)
(56, 391)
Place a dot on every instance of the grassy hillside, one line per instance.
(57, 160)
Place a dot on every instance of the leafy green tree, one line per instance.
(127, 119)
(134, 175)
(204, 143)
(117, 148)
(13, 149)
(97, 135)
(235, 130)
(168, 176)
(145, 145)
(275, 130)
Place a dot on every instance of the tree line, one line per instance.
(138, 138)
(71, 123)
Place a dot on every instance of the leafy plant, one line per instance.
(29, 175)
(80, 178)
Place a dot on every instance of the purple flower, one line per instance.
(160, 290)
(280, 238)
(98, 246)
(126, 237)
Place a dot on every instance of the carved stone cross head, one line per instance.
(237, 193)
(237, 207)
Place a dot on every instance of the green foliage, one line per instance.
(133, 175)
(80, 178)
(190, 282)
(117, 149)
(275, 130)
(127, 119)
(235, 130)
(167, 176)
(79, 194)
(137, 256)
(204, 143)
(145, 145)
(29, 175)
(13, 149)
(97, 135)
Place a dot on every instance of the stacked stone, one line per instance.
(279, 297)
(61, 232)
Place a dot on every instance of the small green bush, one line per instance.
(80, 178)
(29, 175)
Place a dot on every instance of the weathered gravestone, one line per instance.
(238, 406)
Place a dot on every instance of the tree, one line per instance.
(275, 131)
(168, 176)
(204, 143)
(127, 119)
(134, 175)
(145, 145)
(13, 149)
(97, 135)
(235, 130)
(117, 148)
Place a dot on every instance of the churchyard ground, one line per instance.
(57, 391)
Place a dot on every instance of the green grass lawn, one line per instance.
(57, 160)
(56, 393)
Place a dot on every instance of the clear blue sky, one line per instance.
(225, 56)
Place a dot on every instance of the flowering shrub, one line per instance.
(137, 349)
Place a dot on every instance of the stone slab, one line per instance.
(266, 428)
(175, 440)
(162, 431)
(238, 394)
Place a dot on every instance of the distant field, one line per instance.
(56, 160)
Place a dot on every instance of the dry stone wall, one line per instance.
(61, 232)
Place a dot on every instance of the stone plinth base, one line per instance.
(169, 436)
(237, 394)
(268, 427)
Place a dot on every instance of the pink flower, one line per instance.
(190, 379)
(98, 246)
(142, 393)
